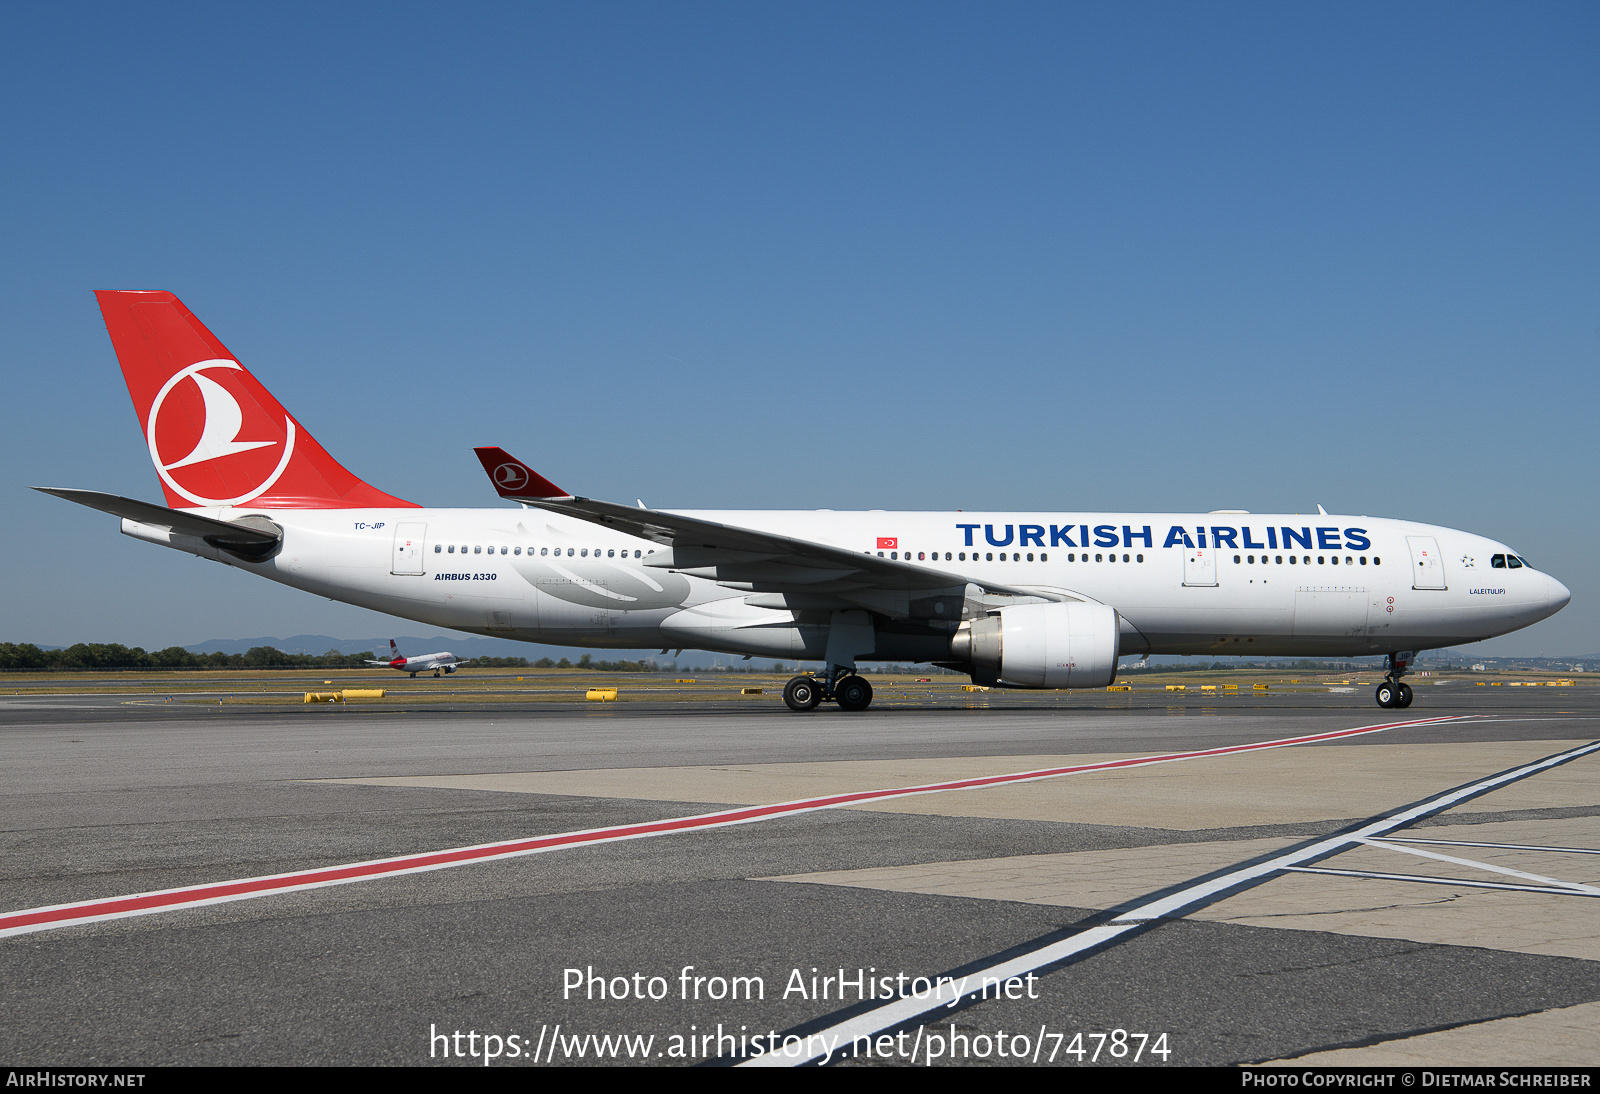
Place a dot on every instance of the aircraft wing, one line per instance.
(746, 557)
(239, 537)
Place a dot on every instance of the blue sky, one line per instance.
(1057, 257)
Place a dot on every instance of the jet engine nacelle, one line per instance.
(448, 669)
(1063, 645)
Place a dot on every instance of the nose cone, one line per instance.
(1559, 595)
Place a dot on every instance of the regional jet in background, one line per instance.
(427, 662)
(1024, 600)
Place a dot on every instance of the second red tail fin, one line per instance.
(216, 436)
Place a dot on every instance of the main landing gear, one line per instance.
(1392, 694)
(841, 685)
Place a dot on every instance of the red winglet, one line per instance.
(514, 479)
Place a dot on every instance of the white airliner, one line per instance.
(1026, 600)
(427, 662)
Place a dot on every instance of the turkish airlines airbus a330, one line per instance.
(1026, 600)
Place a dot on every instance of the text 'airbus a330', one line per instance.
(1024, 600)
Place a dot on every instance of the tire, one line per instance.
(802, 694)
(853, 693)
(1388, 697)
(1405, 696)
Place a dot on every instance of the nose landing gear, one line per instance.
(1392, 694)
(840, 685)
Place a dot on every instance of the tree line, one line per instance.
(26, 657)
(23, 656)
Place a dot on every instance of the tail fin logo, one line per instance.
(510, 476)
(178, 444)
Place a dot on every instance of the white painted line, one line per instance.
(1474, 864)
(903, 1011)
(196, 896)
(1503, 846)
(1428, 879)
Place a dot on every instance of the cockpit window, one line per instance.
(1513, 562)
(1497, 562)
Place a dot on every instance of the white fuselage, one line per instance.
(1182, 583)
(428, 662)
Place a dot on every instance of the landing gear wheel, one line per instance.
(436, 675)
(1405, 696)
(1388, 696)
(802, 693)
(853, 693)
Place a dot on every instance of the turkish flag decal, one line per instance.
(888, 542)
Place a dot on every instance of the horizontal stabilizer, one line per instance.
(219, 533)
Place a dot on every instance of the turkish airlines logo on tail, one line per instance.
(510, 476)
(205, 424)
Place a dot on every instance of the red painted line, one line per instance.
(62, 915)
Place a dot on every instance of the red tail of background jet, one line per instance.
(216, 436)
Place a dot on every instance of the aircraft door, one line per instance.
(1427, 566)
(409, 540)
(1199, 566)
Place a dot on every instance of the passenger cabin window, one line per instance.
(437, 548)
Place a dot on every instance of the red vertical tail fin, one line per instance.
(216, 436)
